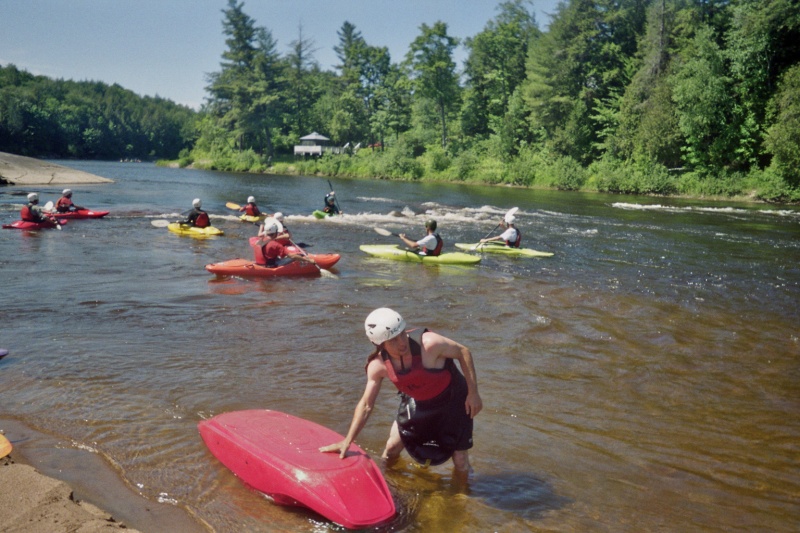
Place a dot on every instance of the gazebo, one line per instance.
(314, 144)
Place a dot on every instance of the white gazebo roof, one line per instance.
(314, 137)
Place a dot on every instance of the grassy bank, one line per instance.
(529, 169)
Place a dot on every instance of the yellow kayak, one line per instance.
(252, 219)
(185, 229)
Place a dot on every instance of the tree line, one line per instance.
(41, 117)
(697, 97)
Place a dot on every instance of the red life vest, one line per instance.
(439, 245)
(63, 204)
(251, 210)
(27, 215)
(202, 220)
(417, 382)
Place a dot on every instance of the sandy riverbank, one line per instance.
(27, 171)
(51, 486)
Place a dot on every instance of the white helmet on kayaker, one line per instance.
(196, 202)
(66, 192)
(510, 219)
(33, 197)
(251, 199)
(272, 229)
(383, 324)
(278, 216)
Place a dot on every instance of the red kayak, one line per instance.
(278, 454)
(82, 213)
(249, 269)
(24, 224)
(325, 261)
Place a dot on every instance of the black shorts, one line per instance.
(432, 430)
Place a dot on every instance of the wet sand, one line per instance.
(50, 486)
(20, 170)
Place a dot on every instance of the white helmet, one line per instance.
(66, 192)
(251, 199)
(272, 229)
(510, 219)
(196, 202)
(383, 324)
(278, 216)
(33, 197)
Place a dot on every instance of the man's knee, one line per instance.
(461, 460)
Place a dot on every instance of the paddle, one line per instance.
(505, 217)
(160, 223)
(231, 205)
(48, 207)
(324, 273)
(385, 232)
(334, 198)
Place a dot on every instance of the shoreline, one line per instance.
(27, 171)
(51, 486)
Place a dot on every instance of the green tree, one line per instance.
(431, 64)
(495, 66)
(783, 135)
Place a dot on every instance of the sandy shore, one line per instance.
(50, 486)
(20, 170)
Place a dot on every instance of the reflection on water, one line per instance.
(644, 378)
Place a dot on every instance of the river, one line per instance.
(644, 378)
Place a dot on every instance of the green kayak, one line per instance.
(321, 214)
(392, 251)
(499, 248)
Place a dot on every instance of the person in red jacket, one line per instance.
(275, 252)
(438, 403)
(33, 212)
(250, 208)
(64, 204)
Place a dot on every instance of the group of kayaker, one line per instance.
(33, 212)
(431, 244)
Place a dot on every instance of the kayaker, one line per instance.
(276, 219)
(275, 252)
(33, 212)
(437, 401)
(431, 244)
(197, 217)
(64, 204)
(511, 236)
(250, 208)
(330, 204)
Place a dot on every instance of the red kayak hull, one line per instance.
(24, 224)
(325, 261)
(278, 454)
(83, 213)
(249, 269)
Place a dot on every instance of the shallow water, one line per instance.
(646, 377)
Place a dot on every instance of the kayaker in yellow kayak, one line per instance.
(197, 217)
(250, 208)
(511, 236)
(431, 244)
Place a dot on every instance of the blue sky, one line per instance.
(167, 47)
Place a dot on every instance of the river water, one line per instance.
(644, 378)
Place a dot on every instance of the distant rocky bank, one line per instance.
(21, 170)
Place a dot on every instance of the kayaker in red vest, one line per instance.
(283, 233)
(64, 204)
(275, 252)
(430, 244)
(250, 208)
(511, 236)
(33, 212)
(434, 418)
(197, 217)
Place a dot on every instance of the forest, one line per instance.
(659, 97)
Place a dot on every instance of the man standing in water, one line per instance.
(438, 403)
